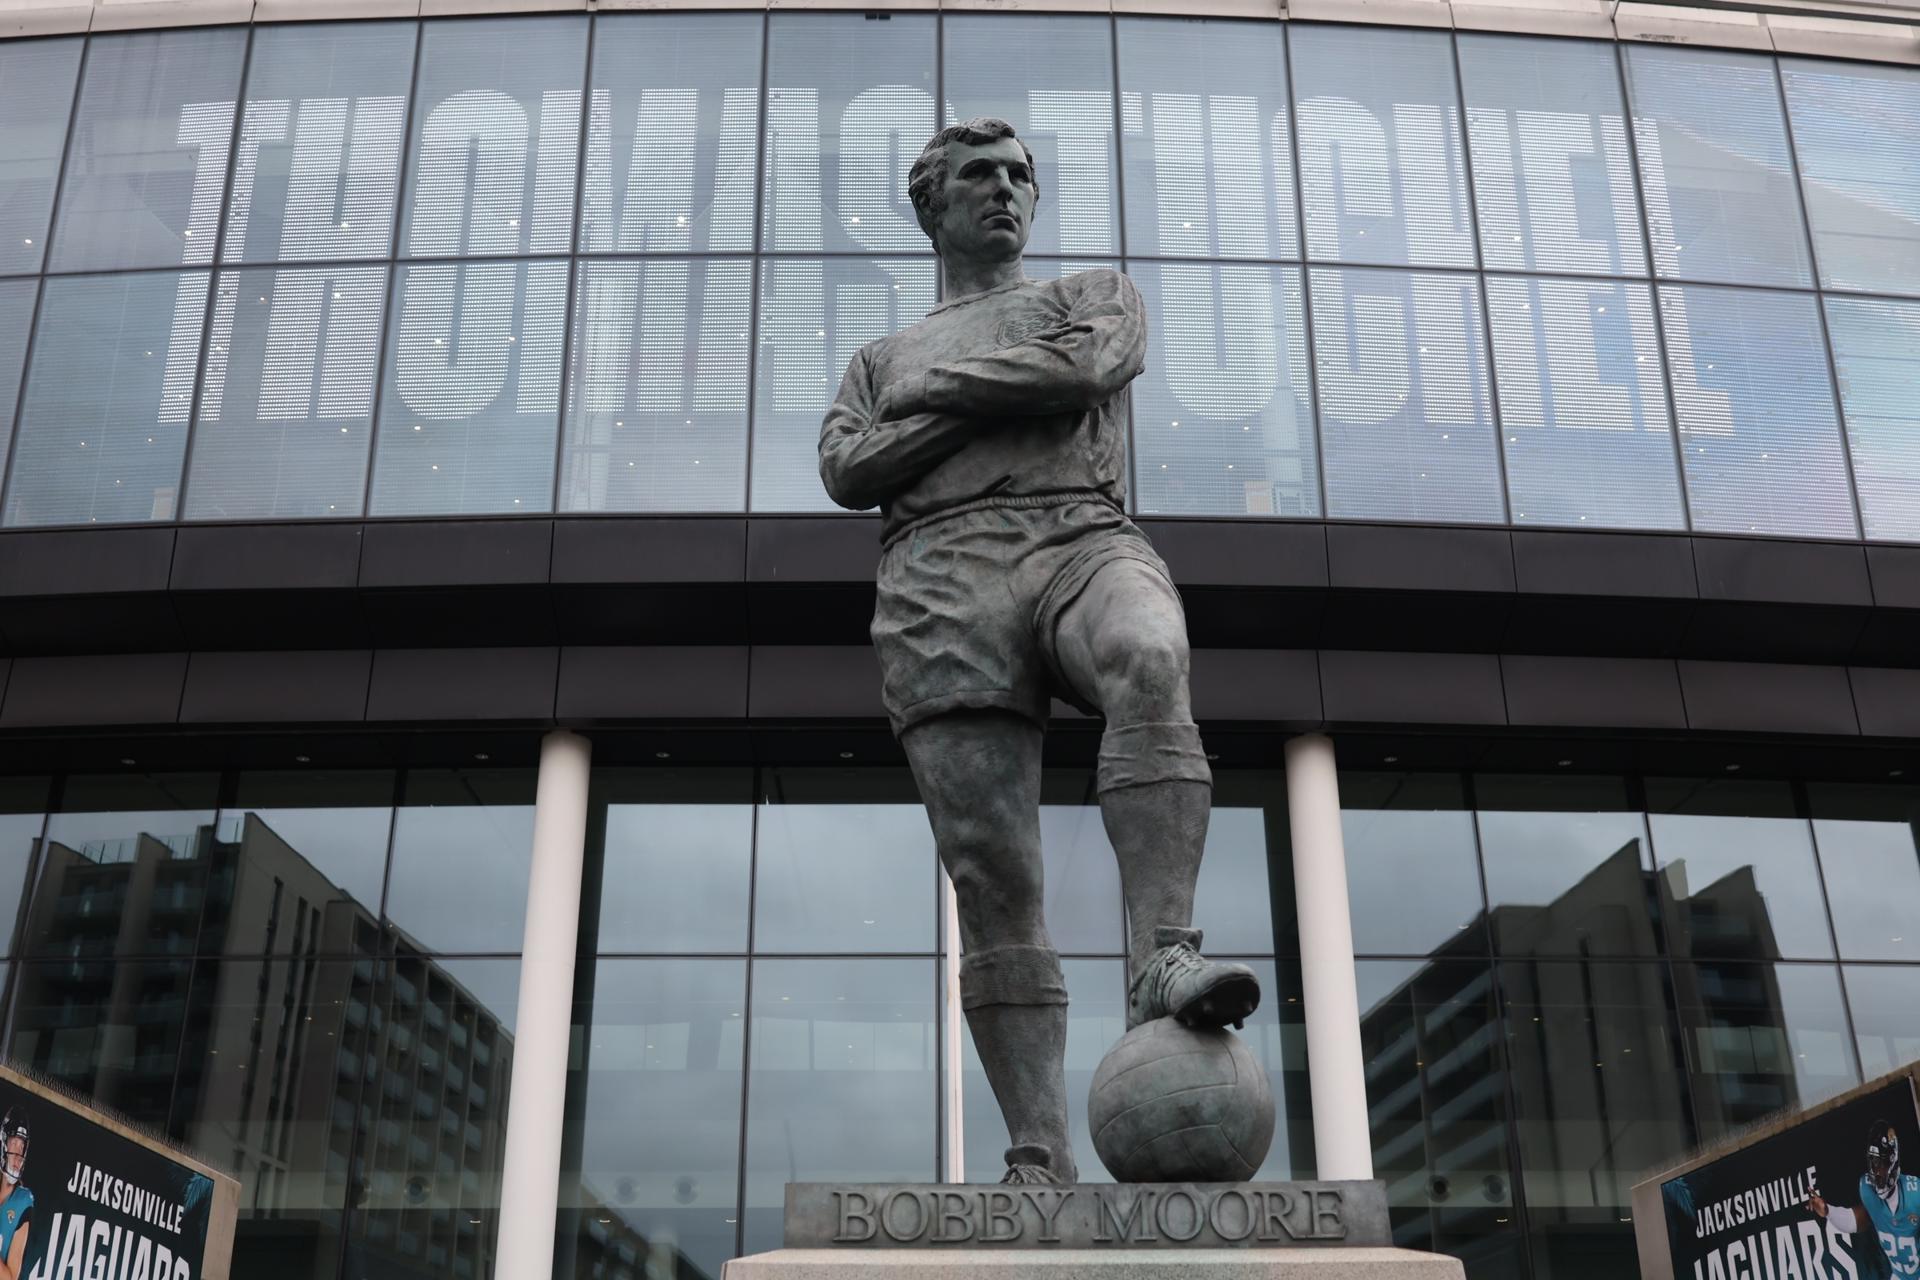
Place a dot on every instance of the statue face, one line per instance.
(989, 201)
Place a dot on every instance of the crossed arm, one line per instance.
(878, 441)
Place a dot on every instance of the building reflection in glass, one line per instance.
(226, 980)
(1643, 980)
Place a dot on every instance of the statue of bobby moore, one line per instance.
(992, 436)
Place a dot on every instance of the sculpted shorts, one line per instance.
(969, 604)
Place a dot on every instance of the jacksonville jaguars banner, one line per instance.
(84, 1198)
(1828, 1199)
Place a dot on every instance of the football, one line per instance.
(1170, 1103)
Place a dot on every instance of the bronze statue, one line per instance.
(992, 434)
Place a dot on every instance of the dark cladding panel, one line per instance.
(1767, 697)
(457, 553)
(834, 681)
(1256, 684)
(463, 684)
(85, 562)
(1613, 693)
(1419, 688)
(1603, 564)
(238, 688)
(134, 688)
(1245, 553)
(649, 550)
(1887, 700)
(813, 550)
(652, 682)
(1787, 572)
(1420, 558)
(1895, 572)
(267, 557)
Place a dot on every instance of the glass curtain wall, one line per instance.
(618, 263)
(307, 977)
(760, 963)
(310, 977)
(1566, 981)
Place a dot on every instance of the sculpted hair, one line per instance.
(927, 180)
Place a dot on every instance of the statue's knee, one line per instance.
(996, 880)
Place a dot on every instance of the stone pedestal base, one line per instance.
(1094, 1264)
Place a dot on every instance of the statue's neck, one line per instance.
(963, 278)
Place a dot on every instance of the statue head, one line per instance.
(973, 190)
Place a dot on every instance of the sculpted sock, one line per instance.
(1016, 1005)
(1158, 830)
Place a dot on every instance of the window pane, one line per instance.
(1405, 415)
(657, 1084)
(123, 866)
(1244, 891)
(1714, 167)
(496, 136)
(1080, 874)
(1757, 423)
(670, 133)
(1870, 863)
(254, 1027)
(1382, 173)
(1223, 419)
(319, 161)
(16, 318)
(108, 1031)
(1208, 174)
(1856, 133)
(833, 1039)
(434, 1120)
(469, 405)
(462, 851)
(1762, 1038)
(1412, 884)
(849, 106)
(299, 862)
(1437, 1108)
(678, 855)
(104, 421)
(36, 94)
(1736, 873)
(1583, 410)
(23, 804)
(1051, 78)
(1881, 998)
(657, 404)
(1552, 177)
(148, 161)
(1096, 1019)
(1277, 1034)
(814, 314)
(1567, 868)
(1599, 1096)
(286, 402)
(1876, 356)
(845, 863)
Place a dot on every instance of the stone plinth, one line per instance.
(1135, 1231)
(1361, 1263)
(1310, 1216)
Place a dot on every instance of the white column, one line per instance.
(537, 1093)
(954, 1025)
(1336, 1070)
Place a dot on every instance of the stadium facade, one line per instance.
(442, 774)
